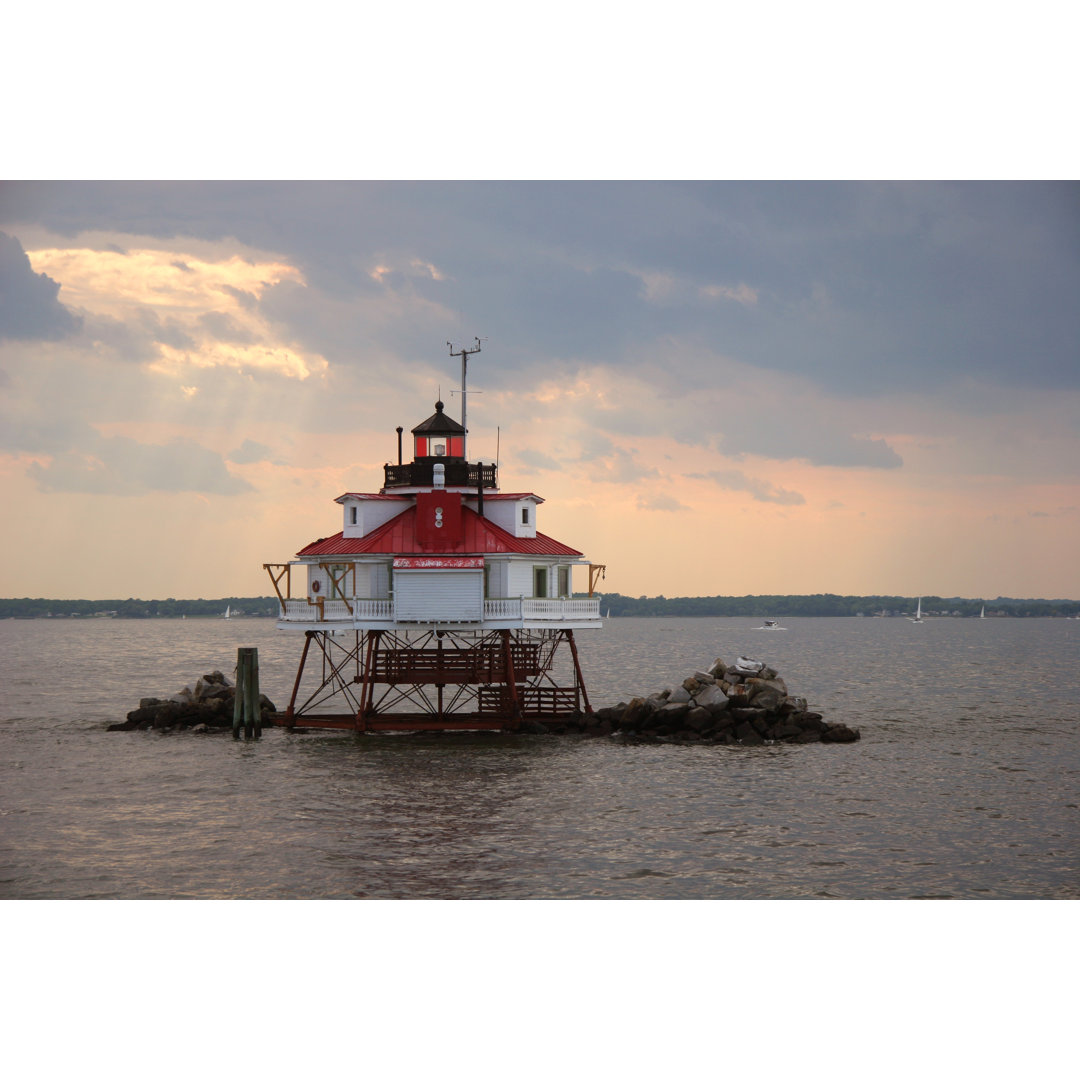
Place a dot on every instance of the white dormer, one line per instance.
(362, 514)
(514, 513)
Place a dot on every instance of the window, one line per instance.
(540, 581)
(524, 515)
(564, 580)
(352, 515)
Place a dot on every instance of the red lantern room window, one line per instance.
(440, 446)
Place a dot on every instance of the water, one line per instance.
(966, 783)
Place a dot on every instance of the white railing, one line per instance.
(497, 609)
(504, 607)
(300, 611)
(523, 607)
(337, 611)
(373, 609)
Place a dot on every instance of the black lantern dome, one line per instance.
(439, 437)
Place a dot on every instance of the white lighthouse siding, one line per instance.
(369, 513)
(507, 514)
(439, 595)
(318, 581)
(520, 576)
(380, 579)
(497, 571)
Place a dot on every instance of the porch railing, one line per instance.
(495, 609)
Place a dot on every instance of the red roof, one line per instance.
(398, 537)
(515, 495)
(362, 495)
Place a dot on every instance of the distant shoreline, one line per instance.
(816, 605)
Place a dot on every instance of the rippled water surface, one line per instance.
(966, 782)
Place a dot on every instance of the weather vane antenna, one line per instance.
(464, 353)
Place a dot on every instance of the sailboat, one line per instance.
(918, 613)
(982, 614)
(228, 608)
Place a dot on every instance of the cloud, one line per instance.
(761, 490)
(741, 294)
(249, 452)
(537, 461)
(621, 467)
(247, 300)
(224, 327)
(660, 502)
(149, 306)
(787, 438)
(29, 308)
(864, 288)
(123, 466)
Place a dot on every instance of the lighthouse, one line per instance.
(439, 605)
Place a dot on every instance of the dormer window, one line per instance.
(524, 515)
(352, 515)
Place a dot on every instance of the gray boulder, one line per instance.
(739, 694)
(698, 719)
(710, 695)
(746, 666)
(748, 735)
(839, 733)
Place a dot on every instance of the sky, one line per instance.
(717, 387)
(779, 300)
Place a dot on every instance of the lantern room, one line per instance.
(438, 441)
(438, 437)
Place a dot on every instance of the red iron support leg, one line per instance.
(290, 711)
(577, 669)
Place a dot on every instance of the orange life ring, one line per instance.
(315, 586)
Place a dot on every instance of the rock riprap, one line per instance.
(743, 704)
(207, 707)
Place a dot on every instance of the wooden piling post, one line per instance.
(246, 710)
(238, 696)
(252, 710)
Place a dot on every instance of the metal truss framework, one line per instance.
(434, 680)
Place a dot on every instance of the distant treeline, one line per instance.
(777, 607)
(829, 604)
(137, 609)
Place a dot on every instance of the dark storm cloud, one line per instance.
(864, 288)
(29, 309)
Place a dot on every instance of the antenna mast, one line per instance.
(464, 354)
